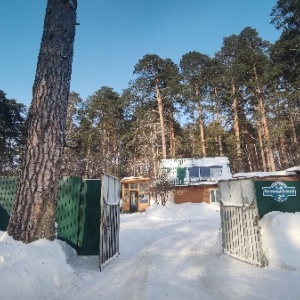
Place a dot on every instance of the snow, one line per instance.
(259, 174)
(290, 171)
(172, 252)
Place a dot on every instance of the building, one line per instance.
(135, 194)
(196, 180)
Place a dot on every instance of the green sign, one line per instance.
(277, 196)
(279, 191)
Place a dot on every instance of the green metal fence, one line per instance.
(68, 210)
(8, 187)
(89, 230)
(77, 215)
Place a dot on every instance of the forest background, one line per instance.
(242, 103)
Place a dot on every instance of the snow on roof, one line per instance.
(258, 174)
(196, 171)
(189, 162)
(132, 178)
(288, 172)
(295, 170)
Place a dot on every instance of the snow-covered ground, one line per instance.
(171, 252)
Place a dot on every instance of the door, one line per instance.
(133, 201)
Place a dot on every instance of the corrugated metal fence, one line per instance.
(8, 187)
(79, 211)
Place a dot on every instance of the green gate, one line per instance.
(8, 187)
(68, 210)
(77, 215)
(89, 229)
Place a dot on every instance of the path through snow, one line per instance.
(173, 255)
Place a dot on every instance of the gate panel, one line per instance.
(110, 219)
(68, 207)
(8, 187)
(240, 222)
(89, 223)
(240, 233)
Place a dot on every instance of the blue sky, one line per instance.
(114, 34)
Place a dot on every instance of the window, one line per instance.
(144, 198)
(205, 173)
(216, 172)
(214, 195)
(133, 186)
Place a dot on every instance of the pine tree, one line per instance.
(228, 58)
(100, 133)
(194, 68)
(33, 213)
(13, 130)
(256, 61)
(157, 78)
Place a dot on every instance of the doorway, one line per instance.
(133, 201)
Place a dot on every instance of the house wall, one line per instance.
(194, 194)
(143, 206)
(125, 200)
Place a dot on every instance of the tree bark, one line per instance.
(88, 156)
(270, 157)
(219, 137)
(264, 123)
(33, 214)
(162, 124)
(236, 127)
(201, 125)
(172, 138)
(293, 127)
(283, 150)
(261, 146)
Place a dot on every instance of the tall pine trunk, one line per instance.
(88, 156)
(219, 136)
(33, 214)
(172, 137)
(270, 156)
(264, 123)
(201, 125)
(162, 123)
(261, 146)
(292, 126)
(236, 127)
(283, 151)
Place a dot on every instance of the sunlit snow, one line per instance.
(172, 252)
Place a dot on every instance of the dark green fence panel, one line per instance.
(8, 187)
(77, 215)
(266, 204)
(67, 213)
(89, 232)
